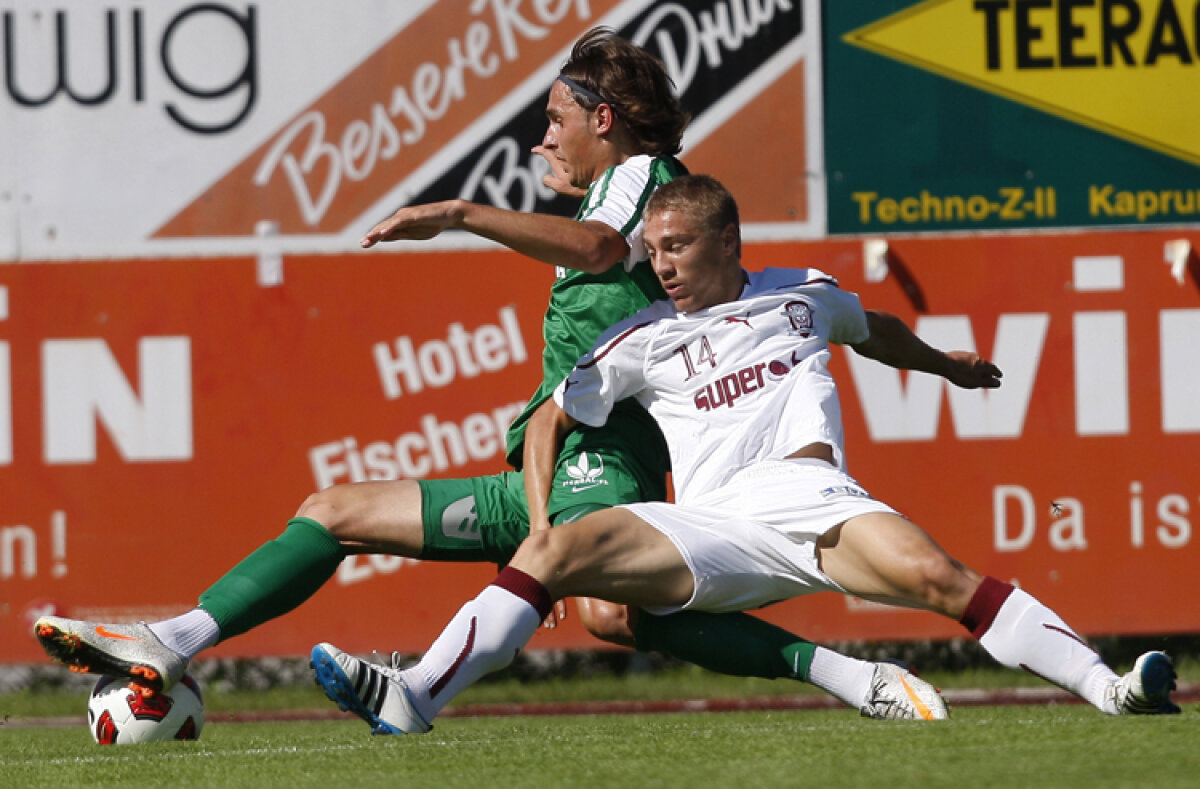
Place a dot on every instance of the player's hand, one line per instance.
(415, 223)
(559, 611)
(971, 371)
(556, 615)
(557, 179)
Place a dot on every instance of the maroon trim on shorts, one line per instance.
(984, 606)
(527, 588)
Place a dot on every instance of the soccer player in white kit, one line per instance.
(733, 367)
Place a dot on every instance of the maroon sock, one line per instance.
(984, 605)
(526, 587)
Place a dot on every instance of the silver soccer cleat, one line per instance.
(896, 693)
(130, 651)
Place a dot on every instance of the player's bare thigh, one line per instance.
(610, 554)
(371, 517)
(883, 557)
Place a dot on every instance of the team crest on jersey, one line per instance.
(585, 472)
(799, 314)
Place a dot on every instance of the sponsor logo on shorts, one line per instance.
(585, 472)
(844, 490)
(459, 520)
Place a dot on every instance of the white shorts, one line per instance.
(753, 541)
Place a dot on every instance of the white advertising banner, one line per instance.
(132, 129)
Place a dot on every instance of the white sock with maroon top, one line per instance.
(1017, 630)
(484, 636)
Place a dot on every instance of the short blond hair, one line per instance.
(700, 196)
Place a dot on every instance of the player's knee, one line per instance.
(330, 508)
(606, 621)
(945, 584)
(545, 554)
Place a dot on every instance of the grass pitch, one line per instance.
(1064, 745)
(1060, 746)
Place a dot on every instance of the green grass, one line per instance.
(678, 682)
(1063, 746)
(1059, 746)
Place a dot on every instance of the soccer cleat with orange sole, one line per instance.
(130, 651)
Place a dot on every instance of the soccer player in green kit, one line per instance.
(614, 126)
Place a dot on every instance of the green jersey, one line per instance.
(583, 305)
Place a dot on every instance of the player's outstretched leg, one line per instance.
(374, 693)
(130, 651)
(1020, 632)
(1146, 689)
(896, 693)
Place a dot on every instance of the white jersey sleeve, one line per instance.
(613, 370)
(617, 200)
(849, 321)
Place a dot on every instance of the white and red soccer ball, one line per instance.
(120, 715)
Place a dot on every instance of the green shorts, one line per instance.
(486, 518)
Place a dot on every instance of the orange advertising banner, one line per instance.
(159, 419)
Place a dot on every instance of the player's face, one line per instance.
(698, 266)
(571, 137)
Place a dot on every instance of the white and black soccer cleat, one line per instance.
(1146, 689)
(374, 693)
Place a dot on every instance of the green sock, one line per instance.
(273, 580)
(736, 644)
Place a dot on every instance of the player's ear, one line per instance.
(604, 118)
(731, 240)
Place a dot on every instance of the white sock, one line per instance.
(847, 678)
(188, 634)
(484, 636)
(1026, 634)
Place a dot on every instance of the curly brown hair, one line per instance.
(631, 81)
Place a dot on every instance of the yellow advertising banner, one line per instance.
(1128, 69)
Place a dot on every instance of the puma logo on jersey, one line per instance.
(745, 320)
(585, 472)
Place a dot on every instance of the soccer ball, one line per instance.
(120, 715)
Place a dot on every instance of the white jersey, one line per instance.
(730, 385)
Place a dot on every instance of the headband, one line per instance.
(582, 91)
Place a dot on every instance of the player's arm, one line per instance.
(893, 343)
(544, 435)
(593, 247)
